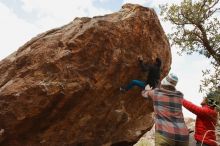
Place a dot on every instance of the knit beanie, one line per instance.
(170, 79)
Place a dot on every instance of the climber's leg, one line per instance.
(133, 83)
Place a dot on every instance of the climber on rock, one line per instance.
(153, 72)
(170, 128)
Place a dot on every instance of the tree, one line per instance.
(197, 29)
(215, 98)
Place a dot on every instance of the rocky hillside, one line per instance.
(62, 87)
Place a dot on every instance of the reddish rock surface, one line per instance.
(62, 87)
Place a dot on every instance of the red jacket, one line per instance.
(206, 120)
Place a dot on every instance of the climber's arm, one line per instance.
(144, 67)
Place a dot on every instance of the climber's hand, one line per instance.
(140, 58)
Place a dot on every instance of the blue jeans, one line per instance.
(133, 83)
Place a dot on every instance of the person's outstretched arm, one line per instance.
(197, 110)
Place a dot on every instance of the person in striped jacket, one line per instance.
(170, 127)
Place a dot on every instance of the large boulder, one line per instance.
(62, 87)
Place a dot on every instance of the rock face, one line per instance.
(62, 87)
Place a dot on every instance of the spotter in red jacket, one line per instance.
(205, 122)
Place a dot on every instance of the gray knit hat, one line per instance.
(170, 79)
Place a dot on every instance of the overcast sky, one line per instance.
(23, 19)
